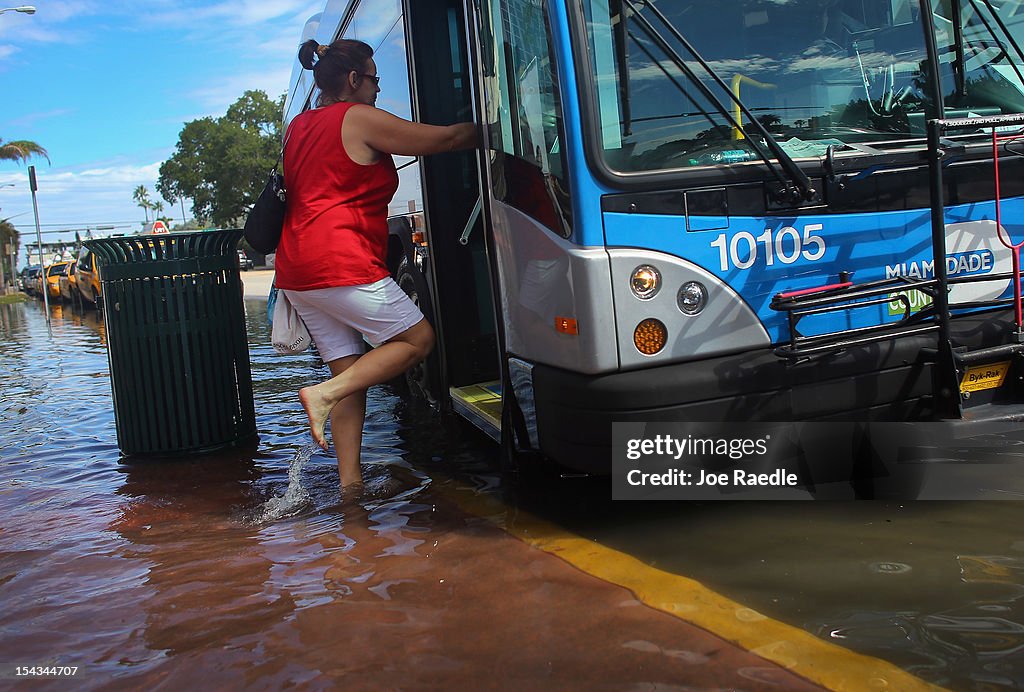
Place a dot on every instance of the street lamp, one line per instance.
(26, 9)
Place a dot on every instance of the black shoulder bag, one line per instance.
(266, 219)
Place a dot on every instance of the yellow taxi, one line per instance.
(52, 279)
(88, 275)
(68, 283)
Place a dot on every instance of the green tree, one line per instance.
(8, 237)
(21, 150)
(221, 163)
(190, 225)
(141, 197)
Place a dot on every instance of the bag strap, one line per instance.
(280, 157)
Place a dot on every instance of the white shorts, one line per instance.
(340, 316)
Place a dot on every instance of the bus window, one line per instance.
(379, 24)
(525, 112)
(374, 21)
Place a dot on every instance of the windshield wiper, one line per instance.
(960, 60)
(804, 189)
(622, 63)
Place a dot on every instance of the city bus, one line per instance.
(695, 210)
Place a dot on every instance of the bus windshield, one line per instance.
(851, 74)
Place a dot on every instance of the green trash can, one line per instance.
(176, 341)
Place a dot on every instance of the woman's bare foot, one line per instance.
(318, 409)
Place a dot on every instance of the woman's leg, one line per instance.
(347, 427)
(379, 365)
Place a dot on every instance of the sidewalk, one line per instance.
(256, 283)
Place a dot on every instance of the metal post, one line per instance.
(945, 377)
(39, 240)
(938, 219)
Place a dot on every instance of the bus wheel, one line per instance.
(422, 379)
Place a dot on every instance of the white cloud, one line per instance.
(64, 10)
(60, 21)
(214, 18)
(224, 92)
(44, 25)
(80, 197)
(31, 119)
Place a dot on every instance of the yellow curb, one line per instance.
(797, 651)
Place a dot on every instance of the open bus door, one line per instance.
(453, 278)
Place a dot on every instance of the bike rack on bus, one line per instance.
(845, 297)
(949, 358)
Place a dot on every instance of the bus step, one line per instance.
(480, 404)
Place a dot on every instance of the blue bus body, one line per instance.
(697, 211)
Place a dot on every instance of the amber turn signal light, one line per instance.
(650, 336)
(566, 325)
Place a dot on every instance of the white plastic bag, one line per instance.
(289, 334)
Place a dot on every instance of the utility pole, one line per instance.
(39, 239)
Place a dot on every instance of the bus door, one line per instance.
(456, 274)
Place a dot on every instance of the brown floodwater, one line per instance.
(221, 570)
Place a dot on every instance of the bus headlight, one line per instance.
(645, 282)
(650, 336)
(692, 298)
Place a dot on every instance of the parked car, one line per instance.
(53, 274)
(244, 263)
(68, 283)
(88, 272)
(29, 279)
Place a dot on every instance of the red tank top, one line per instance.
(335, 225)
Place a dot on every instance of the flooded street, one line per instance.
(216, 571)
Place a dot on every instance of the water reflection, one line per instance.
(190, 577)
(965, 648)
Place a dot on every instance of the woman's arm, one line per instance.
(390, 134)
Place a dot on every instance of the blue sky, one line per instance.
(106, 86)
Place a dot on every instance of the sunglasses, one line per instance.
(375, 78)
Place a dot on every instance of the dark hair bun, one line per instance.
(306, 53)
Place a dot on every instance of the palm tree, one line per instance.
(141, 197)
(21, 150)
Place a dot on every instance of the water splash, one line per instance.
(295, 497)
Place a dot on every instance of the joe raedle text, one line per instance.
(738, 477)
